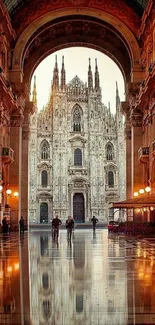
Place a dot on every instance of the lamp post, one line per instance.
(144, 191)
(8, 192)
(11, 214)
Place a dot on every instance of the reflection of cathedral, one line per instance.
(74, 284)
(77, 152)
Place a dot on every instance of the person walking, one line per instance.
(21, 225)
(94, 220)
(56, 223)
(5, 226)
(69, 227)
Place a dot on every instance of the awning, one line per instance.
(146, 201)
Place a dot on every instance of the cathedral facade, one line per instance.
(76, 152)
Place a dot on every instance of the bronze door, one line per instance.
(78, 207)
(44, 213)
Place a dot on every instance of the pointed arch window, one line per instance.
(46, 308)
(77, 119)
(77, 157)
(110, 179)
(44, 178)
(45, 150)
(110, 151)
(45, 281)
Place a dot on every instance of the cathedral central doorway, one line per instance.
(44, 213)
(78, 207)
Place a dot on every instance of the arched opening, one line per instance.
(93, 28)
(77, 157)
(44, 213)
(111, 178)
(45, 154)
(109, 151)
(78, 208)
(44, 178)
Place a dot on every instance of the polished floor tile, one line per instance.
(96, 279)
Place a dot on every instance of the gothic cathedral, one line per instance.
(76, 152)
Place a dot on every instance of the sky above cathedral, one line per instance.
(76, 61)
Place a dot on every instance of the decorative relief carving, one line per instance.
(136, 118)
(16, 120)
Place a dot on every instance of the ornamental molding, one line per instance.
(45, 195)
(136, 118)
(77, 137)
(44, 165)
(16, 120)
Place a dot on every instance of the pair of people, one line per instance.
(56, 223)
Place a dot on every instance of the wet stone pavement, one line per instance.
(96, 279)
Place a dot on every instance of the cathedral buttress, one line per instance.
(97, 78)
(90, 77)
(55, 76)
(63, 75)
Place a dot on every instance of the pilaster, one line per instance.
(16, 167)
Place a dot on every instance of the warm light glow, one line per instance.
(1, 188)
(141, 191)
(144, 209)
(147, 189)
(135, 194)
(1, 274)
(16, 266)
(15, 194)
(8, 191)
(138, 210)
(151, 208)
(9, 269)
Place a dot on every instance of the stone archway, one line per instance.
(32, 34)
(35, 32)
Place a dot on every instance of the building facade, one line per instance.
(76, 152)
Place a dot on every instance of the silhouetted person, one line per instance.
(94, 220)
(56, 223)
(21, 225)
(5, 225)
(69, 227)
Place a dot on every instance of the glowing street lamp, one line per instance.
(15, 194)
(147, 189)
(141, 191)
(135, 194)
(8, 192)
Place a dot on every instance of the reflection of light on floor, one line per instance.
(16, 266)
(9, 269)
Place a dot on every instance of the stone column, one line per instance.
(136, 143)
(25, 155)
(15, 168)
(136, 117)
(126, 110)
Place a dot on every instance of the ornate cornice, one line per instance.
(6, 23)
(16, 119)
(136, 118)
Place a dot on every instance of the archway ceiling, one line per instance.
(76, 31)
(25, 12)
(14, 5)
